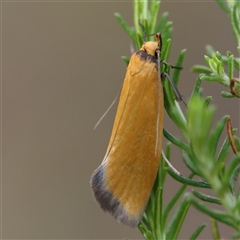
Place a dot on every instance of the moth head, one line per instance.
(152, 47)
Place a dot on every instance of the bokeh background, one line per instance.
(61, 69)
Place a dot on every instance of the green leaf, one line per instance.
(125, 59)
(218, 215)
(124, 25)
(210, 50)
(144, 22)
(214, 79)
(206, 198)
(220, 69)
(199, 120)
(196, 88)
(162, 172)
(166, 50)
(230, 66)
(215, 136)
(144, 220)
(177, 220)
(201, 69)
(162, 22)
(176, 72)
(158, 213)
(215, 231)
(207, 101)
(237, 63)
(219, 56)
(174, 140)
(139, 40)
(235, 22)
(148, 216)
(166, 41)
(197, 232)
(237, 142)
(231, 169)
(234, 177)
(236, 235)
(146, 233)
(137, 15)
(155, 203)
(223, 5)
(174, 200)
(227, 94)
(207, 59)
(173, 109)
(154, 15)
(187, 181)
(189, 159)
(144, 9)
(223, 152)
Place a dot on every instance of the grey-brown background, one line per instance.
(61, 69)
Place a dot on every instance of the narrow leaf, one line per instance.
(201, 69)
(177, 220)
(215, 231)
(223, 151)
(146, 233)
(189, 160)
(187, 181)
(174, 200)
(215, 136)
(197, 232)
(176, 72)
(158, 213)
(235, 22)
(230, 66)
(205, 197)
(210, 50)
(218, 215)
(223, 5)
(207, 100)
(174, 140)
(124, 25)
(162, 22)
(125, 59)
(227, 94)
(154, 14)
(196, 88)
(231, 169)
(214, 79)
(236, 235)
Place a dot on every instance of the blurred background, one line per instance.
(61, 69)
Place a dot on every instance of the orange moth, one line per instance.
(123, 182)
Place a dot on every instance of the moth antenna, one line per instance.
(170, 165)
(175, 67)
(159, 91)
(101, 118)
(143, 30)
(175, 89)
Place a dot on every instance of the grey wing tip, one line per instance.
(107, 201)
